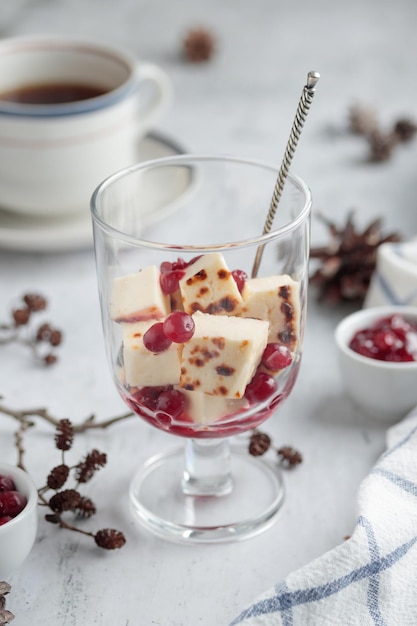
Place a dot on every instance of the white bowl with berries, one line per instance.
(18, 518)
(377, 350)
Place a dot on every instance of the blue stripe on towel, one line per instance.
(400, 481)
(373, 589)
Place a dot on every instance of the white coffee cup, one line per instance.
(53, 155)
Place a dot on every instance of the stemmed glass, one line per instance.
(200, 346)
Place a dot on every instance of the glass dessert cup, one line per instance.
(198, 346)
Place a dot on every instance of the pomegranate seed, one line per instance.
(179, 326)
(6, 483)
(155, 339)
(171, 402)
(240, 279)
(11, 503)
(276, 356)
(261, 387)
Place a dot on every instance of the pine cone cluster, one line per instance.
(381, 142)
(69, 499)
(20, 329)
(260, 443)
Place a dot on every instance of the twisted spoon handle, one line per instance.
(297, 126)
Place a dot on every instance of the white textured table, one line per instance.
(242, 102)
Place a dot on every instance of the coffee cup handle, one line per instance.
(161, 98)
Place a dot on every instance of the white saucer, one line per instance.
(28, 234)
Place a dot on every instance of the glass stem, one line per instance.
(207, 468)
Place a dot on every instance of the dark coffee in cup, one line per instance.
(52, 93)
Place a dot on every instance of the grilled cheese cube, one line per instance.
(137, 297)
(205, 409)
(275, 299)
(143, 368)
(221, 357)
(208, 286)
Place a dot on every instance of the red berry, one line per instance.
(6, 483)
(171, 402)
(179, 264)
(260, 387)
(155, 339)
(170, 281)
(276, 356)
(11, 503)
(240, 278)
(179, 326)
(5, 519)
(148, 396)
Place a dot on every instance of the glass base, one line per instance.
(248, 509)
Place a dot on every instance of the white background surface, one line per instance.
(242, 102)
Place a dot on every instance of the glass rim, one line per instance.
(185, 158)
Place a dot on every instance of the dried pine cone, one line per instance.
(34, 301)
(49, 334)
(405, 129)
(92, 462)
(198, 45)
(66, 500)
(348, 261)
(289, 457)
(5, 616)
(49, 359)
(85, 508)
(109, 539)
(259, 443)
(58, 476)
(21, 316)
(64, 435)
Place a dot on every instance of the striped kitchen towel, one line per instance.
(394, 280)
(371, 579)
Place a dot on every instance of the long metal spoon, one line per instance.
(297, 126)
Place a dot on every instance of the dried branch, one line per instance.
(88, 424)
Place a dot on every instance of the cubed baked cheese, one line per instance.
(275, 299)
(208, 286)
(137, 297)
(143, 368)
(205, 409)
(221, 357)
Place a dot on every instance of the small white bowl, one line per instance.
(382, 389)
(18, 535)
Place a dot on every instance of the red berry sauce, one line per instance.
(12, 502)
(391, 338)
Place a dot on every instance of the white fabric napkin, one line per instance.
(395, 278)
(371, 579)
